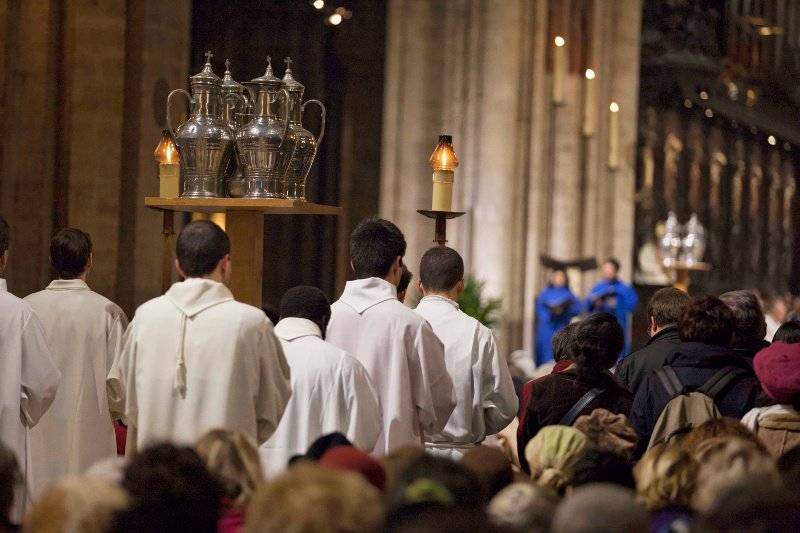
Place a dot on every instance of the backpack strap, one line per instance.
(579, 406)
(670, 380)
(721, 379)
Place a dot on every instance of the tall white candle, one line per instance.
(588, 103)
(613, 136)
(559, 69)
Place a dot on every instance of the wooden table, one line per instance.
(682, 271)
(245, 228)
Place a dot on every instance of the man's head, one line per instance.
(377, 248)
(707, 320)
(441, 271)
(5, 237)
(306, 302)
(203, 251)
(598, 342)
(750, 323)
(777, 308)
(563, 340)
(559, 278)
(71, 253)
(405, 281)
(610, 269)
(665, 308)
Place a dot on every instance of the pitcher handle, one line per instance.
(169, 99)
(253, 98)
(285, 117)
(318, 140)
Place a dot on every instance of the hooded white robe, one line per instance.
(28, 382)
(195, 359)
(486, 400)
(331, 391)
(84, 331)
(403, 356)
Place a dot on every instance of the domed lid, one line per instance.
(206, 76)
(268, 78)
(229, 85)
(289, 83)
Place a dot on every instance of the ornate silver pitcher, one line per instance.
(205, 142)
(301, 147)
(259, 141)
(235, 112)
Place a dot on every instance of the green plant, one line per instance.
(473, 303)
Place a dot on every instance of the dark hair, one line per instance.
(10, 479)
(598, 466)
(598, 342)
(613, 261)
(563, 340)
(707, 320)
(69, 252)
(374, 245)
(752, 506)
(201, 246)
(462, 486)
(438, 517)
(440, 269)
(749, 321)
(789, 332)
(305, 301)
(5, 235)
(405, 279)
(566, 277)
(172, 491)
(667, 305)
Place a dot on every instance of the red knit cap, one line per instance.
(355, 460)
(778, 369)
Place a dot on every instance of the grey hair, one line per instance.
(750, 321)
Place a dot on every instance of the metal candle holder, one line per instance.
(441, 217)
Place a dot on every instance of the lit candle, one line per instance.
(588, 103)
(559, 69)
(444, 162)
(613, 136)
(169, 173)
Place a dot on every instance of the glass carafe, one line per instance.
(205, 142)
(259, 141)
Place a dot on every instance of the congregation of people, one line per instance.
(365, 415)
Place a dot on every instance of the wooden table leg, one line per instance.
(682, 279)
(246, 232)
(168, 231)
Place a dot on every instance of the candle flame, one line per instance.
(166, 152)
(443, 157)
(589, 74)
(559, 40)
(614, 107)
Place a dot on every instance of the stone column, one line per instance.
(478, 70)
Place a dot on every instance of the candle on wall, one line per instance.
(559, 69)
(613, 136)
(588, 103)
(444, 162)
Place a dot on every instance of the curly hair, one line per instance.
(665, 477)
(708, 320)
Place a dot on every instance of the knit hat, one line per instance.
(491, 466)
(778, 369)
(608, 432)
(552, 454)
(355, 460)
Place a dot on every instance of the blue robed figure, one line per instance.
(613, 296)
(556, 305)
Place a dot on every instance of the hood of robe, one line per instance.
(191, 297)
(361, 294)
(292, 328)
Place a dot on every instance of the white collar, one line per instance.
(436, 298)
(292, 328)
(3, 286)
(67, 284)
(361, 294)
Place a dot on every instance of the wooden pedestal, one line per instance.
(245, 228)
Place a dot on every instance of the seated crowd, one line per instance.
(367, 416)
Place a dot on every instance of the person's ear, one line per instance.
(460, 286)
(653, 326)
(3, 260)
(180, 270)
(420, 287)
(351, 266)
(90, 262)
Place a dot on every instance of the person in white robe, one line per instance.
(331, 390)
(84, 331)
(397, 346)
(485, 398)
(29, 377)
(195, 359)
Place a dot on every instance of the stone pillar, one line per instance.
(531, 184)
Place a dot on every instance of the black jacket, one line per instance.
(694, 363)
(554, 395)
(634, 369)
(748, 349)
